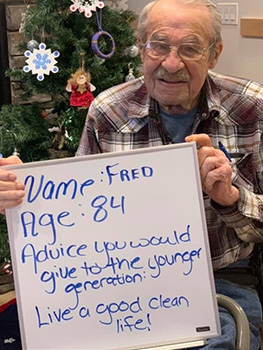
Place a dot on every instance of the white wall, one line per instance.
(241, 56)
(137, 5)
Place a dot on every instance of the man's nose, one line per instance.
(173, 62)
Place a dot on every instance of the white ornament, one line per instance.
(32, 44)
(130, 75)
(86, 6)
(23, 21)
(133, 51)
(117, 4)
(41, 61)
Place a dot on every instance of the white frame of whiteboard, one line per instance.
(160, 150)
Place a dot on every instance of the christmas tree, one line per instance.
(74, 35)
(70, 33)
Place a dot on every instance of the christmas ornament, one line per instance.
(54, 129)
(70, 138)
(130, 75)
(96, 37)
(41, 61)
(117, 4)
(43, 114)
(7, 268)
(81, 89)
(132, 51)
(95, 46)
(32, 44)
(86, 6)
(23, 21)
(59, 138)
(16, 152)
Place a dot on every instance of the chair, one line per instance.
(243, 333)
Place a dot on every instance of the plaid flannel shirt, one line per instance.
(231, 111)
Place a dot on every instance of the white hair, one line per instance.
(215, 36)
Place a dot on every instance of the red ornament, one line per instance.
(7, 268)
(80, 87)
(43, 114)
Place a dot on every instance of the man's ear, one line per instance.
(217, 51)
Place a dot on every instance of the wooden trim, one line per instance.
(252, 27)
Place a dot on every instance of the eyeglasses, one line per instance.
(158, 49)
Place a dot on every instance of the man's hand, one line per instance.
(215, 171)
(11, 191)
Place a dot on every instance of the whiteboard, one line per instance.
(111, 251)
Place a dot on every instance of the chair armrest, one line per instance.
(243, 332)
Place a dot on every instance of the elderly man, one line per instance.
(179, 100)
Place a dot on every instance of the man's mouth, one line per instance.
(172, 81)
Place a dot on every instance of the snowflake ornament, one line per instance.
(41, 61)
(117, 4)
(86, 6)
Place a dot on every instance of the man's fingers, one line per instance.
(216, 175)
(11, 185)
(9, 199)
(11, 191)
(9, 204)
(205, 145)
(10, 161)
(11, 195)
(202, 140)
(7, 176)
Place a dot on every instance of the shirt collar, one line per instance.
(209, 103)
(139, 106)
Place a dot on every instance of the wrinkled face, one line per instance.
(172, 80)
(81, 79)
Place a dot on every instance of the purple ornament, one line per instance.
(95, 47)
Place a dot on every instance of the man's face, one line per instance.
(175, 82)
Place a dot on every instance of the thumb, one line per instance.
(10, 161)
(202, 140)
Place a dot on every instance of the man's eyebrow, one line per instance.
(191, 40)
(160, 37)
